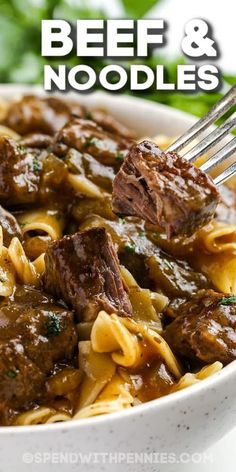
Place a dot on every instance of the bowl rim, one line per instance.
(175, 398)
(6, 91)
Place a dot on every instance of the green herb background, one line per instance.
(20, 60)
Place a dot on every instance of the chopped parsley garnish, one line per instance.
(121, 220)
(24, 224)
(11, 374)
(36, 165)
(21, 148)
(141, 234)
(130, 248)
(227, 300)
(53, 325)
(2, 279)
(91, 141)
(119, 156)
(168, 264)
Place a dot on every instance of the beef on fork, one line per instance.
(164, 189)
(83, 269)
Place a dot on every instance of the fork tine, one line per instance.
(220, 156)
(229, 172)
(219, 109)
(211, 140)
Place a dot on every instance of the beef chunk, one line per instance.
(36, 141)
(109, 123)
(87, 136)
(19, 173)
(21, 381)
(83, 269)
(34, 334)
(42, 115)
(10, 227)
(205, 328)
(27, 177)
(164, 189)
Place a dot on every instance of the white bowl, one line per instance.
(185, 422)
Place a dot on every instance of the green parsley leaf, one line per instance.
(22, 225)
(36, 165)
(12, 374)
(168, 264)
(227, 300)
(91, 141)
(2, 279)
(22, 148)
(119, 156)
(53, 325)
(130, 248)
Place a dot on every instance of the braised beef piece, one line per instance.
(205, 328)
(41, 115)
(19, 173)
(37, 141)
(164, 189)
(87, 136)
(21, 381)
(83, 269)
(35, 333)
(27, 177)
(109, 123)
(10, 227)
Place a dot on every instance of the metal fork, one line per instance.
(218, 110)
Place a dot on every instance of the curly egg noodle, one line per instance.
(112, 348)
